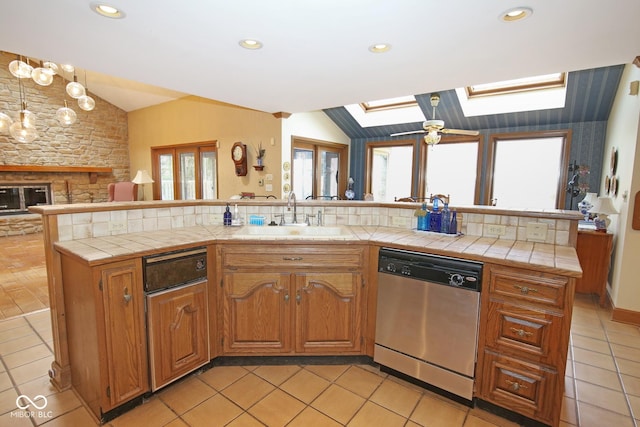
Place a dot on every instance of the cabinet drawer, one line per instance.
(291, 258)
(511, 328)
(523, 387)
(535, 287)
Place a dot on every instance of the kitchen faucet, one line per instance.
(292, 195)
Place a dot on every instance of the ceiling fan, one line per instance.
(434, 128)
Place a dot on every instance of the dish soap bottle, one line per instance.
(446, 219)
(226, 217)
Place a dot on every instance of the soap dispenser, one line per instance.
(226, 218)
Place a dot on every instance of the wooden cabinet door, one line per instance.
(256, 313)
(125, 337)
(178, 332)
(328, 312)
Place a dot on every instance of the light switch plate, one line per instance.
(537, 230)
(268, 188)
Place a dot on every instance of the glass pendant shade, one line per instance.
(67, 67)
(66, 116)
(42, 76)
(5, 123)
(27, 118)
(86, 102)
(75, 89)
(51, 66)
(22, 131)
(20, 69)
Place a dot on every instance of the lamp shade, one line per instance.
(603, 205)
(590, 198)
(142, 177)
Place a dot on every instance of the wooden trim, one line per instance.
(93, 171)
(281, 115)
(626, 316)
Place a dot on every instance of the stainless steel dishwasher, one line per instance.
(427, 318)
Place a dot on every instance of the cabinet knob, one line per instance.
(127, 295)
(286, 297)
(524, 290)
(298, 297)
(521, 332)
(292, 258)
(514, 385)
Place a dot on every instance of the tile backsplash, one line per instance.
(82, 225)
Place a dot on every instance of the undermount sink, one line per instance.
(332, 232)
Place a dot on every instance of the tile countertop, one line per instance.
(540, 256)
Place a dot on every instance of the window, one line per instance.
(453, 167)
(389, 170)
(185, 172)
(528, 170)
(319, 169)
(518, 85)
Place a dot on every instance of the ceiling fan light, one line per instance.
(20, 69)
(5, 123)
(432, 138)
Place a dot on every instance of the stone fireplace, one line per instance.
(16, 198)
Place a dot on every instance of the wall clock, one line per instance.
(239, 157)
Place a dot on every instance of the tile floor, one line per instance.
(602, 387)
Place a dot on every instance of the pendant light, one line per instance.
(20, 69)
(24, 130)
(5, 123)
(75, 89)
(65, 115)
(67, 67)
(42, 76)
(52, 66)
(86, 102)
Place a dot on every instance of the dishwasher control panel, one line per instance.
(456, 272)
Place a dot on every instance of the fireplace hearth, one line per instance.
(16, 198)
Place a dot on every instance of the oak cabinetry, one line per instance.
(106, 331)
(291, 299)
(594, 252)
(178, 332)
(524, 337)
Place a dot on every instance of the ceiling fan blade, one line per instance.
(407, 133)
(461, 132)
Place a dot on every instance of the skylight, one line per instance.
(518, 85)
(388, 111)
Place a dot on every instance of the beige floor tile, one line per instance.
(629, 367)
(634, 402)
(41, 385)
(587, 331)
(592, 344)
(16, 322)
(624, 339)
(312, 417)
(569, 389)
(248, 390)
(58, 404)
(15, 333)
(12, 346)
(215, 411)
(624, 352)
(602, 397)
(338, 403)
(569, 412)
(178, 422)
(473, 421)
(277, 408)
(493, 419)
(5, 381)
(360, 381)
(276, 374)
(27, 355)
(11, 420)
(631, 384)
(598, 376)
(8, 400)
(329, 372)
(30, 371)
(245, 420)
(77, 417)
(186, 394)
(152, 413)
(305, 385)
(371, 415)
(220, 377)
(593, 416)
(623, 328)
(396, 398)
(435, 412)
(593, 358)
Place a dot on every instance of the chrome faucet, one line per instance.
(292, 196)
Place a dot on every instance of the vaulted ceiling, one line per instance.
(590, 96)
(315, 54)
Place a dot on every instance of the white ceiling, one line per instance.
(315, 53)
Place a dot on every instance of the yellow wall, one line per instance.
(623, 133)
(194, 119)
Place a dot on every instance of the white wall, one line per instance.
(623, 133)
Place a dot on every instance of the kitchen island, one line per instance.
(93, 236)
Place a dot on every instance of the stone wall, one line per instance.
(97, 138)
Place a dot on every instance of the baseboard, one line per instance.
(625, 316)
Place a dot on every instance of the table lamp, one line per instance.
(602, 207)
(586, 204)
(141, 178)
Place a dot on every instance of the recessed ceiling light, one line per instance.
(379, 48)
(107, 10)
(516, 14)
(250, 44)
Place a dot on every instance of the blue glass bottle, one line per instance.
(422, 219)
(453, 228)
(446, 219)
(436, 217)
